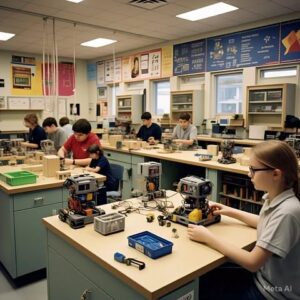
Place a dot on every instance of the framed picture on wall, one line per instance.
(102, 92)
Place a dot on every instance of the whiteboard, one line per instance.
(18, 102)
(37, 103)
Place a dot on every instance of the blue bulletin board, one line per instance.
(189, 58)
(255, 47)
(290, 41)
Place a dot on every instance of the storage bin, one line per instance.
(19, 177)
(150, 244)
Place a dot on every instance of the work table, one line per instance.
(188, 261)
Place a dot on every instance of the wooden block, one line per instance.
(39, 155)
(132, 144)
(212, 149)
(51, 164)
(33, 168)
(63, 175)
(114, 138)
(244, 160)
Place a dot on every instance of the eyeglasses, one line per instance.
(253, 170)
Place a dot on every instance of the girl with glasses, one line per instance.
(275, 259)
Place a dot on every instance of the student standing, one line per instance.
(275, 259)
(36, 132)
(149, 131)
(185, 133)
(78, 143)
(54, 133)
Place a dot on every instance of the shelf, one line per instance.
(181, 110)
(241, 199)
(265, 102)
(20, 109)
(265, 113)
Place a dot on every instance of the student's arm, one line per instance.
(29, 145)
(243, 216)
(185, 142)
(62, 152)
(94, 170)
(251, 261)
(78, 161)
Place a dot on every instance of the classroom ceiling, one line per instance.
(133, 27)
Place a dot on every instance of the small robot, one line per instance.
(82, 199)
(195, 209)
(294, 142)
(48, 147)
(227, 150)
(152, 172)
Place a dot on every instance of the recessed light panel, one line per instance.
(97, 43)
(4, 36)
(207, 11)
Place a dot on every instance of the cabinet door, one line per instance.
(30, 238)
(66, 282)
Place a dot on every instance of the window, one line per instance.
(162, 97)
(279, 72)
(229, 93)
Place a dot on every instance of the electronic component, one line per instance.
(152, 172)
(82, 199)
(129, 261)
(195, 208)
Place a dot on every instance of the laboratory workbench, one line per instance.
(22, 208)
(83, 260)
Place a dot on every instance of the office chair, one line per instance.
(117, 172)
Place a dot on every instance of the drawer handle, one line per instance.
(38, 200)
(108, 154)
(84, 295)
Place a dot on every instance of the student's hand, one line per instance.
(199, 233)
(151, 140)
(24, 144)
(220, 209)
(176, 141)
(89, 169)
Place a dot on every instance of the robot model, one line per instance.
(152, 172)
(195, 209)
(48, 147)
(226, 149)
(82, 200)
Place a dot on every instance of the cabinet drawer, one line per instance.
(112, 155)
(136, 159)
(36, 199)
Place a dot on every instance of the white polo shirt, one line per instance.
(278, 231)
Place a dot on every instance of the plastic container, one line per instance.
(110, 223)
(150, 244)
(19, 177)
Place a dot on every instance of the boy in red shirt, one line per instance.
(78, 143)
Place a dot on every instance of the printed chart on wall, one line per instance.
(112, 70)
(244, 49)
(144, 65)
(290, 41)
(100, 73)
(189, 58)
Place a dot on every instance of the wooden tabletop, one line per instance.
(42, 181)
(188, 260)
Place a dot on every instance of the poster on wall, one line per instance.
(140, 66)
(112, 70)
(100, 73)
(65, 79)
(244, 49)
(167, 61)
(189, 58)
(91, 71)
(290, 41)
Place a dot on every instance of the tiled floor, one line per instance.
(33, 291)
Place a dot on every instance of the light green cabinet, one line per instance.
(22, 237)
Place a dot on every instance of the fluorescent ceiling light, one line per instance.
(98, 43)
(75, 1)
(207, 11)
(4, 36)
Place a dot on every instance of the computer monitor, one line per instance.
(224, 121)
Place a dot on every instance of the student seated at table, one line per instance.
(185, 133)
(78, 143)
(64, 123)
(149, 132)
(100, 164)
(54, 133)
(36, 132)
(275, 259)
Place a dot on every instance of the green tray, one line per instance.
(19, 177)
